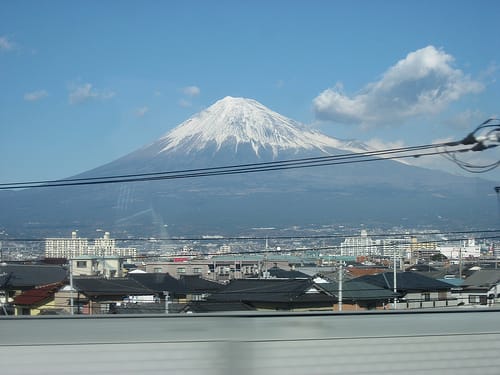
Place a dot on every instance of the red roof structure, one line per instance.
(38, 295)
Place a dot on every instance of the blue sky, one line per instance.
(85, 82)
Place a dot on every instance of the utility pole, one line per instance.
(167, 300)
(71, 300)
(460, 261)
(341, 271)
(394, 281)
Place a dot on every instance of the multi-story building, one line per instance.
(75, 246)
(218, 268)
(66, 247)
(107, 266)
(359, 246)
(464, 249)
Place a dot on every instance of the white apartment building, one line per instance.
(399, 247)
(359, 246)
(66, 247)
(464, 249)
(75, 247)
(364, 245)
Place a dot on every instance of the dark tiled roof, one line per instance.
(270, 290)
(37, 296)
(208, 307)
(362, 271)
(195, 284)
(95, 287)
(28, 276)
(483, 278)
(161, 282)
(406, 282)
(354, 290)
(280, 273)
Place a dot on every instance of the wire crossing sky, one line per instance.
(84, 83)
(369, 156)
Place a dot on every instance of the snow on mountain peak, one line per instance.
(235, 121)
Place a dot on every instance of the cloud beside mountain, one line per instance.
(6, 44)
(424, 82)
(35, 95)
(87, 92)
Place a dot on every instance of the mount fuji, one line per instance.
(239, 131)
(231, 130)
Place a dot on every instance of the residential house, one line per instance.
(185, 289)
(358, 295)
(17, 278)
(274, 294)
(93, 295)
(219, 268)
(106, 266)
(39, 300)
(481, 288)
(416, 290)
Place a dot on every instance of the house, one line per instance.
(36, 301)
(93, 295)
(274, 294)
(185, 289)
(219, 268)
(482, 287)
(17, 278)
(106, 266)
(416, 290)
(359, 295)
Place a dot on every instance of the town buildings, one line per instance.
(76, 246)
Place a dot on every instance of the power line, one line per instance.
(472, 140)
(351, 158)
(262, 238)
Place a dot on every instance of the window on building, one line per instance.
(157, 270)
(81, 264)
(181, 270)
(478, 299)
(197, 270)
(426, 296)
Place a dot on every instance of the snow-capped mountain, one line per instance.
(231, 131)
(237, 131)
(239, 121)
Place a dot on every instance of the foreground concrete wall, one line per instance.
(384, 342)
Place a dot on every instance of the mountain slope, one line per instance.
(238, 131)
(236, 121)
(231, 131)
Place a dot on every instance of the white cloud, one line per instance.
(422, 83)
(191, 91)
(141, 112)
(85, 92)
(35, 95)
(466, 120)
(6, 44)
(378, 144)
(185, 103)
